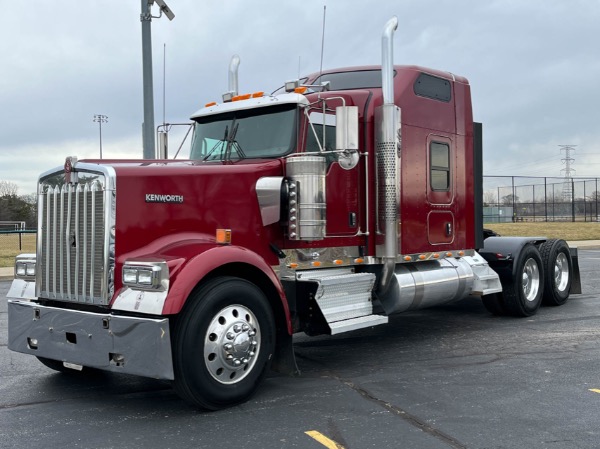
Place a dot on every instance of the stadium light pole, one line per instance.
(148, 125)
(100, 118)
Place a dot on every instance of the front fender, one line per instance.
(207, 258)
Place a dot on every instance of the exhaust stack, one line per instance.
(233, 75)
(387, 144)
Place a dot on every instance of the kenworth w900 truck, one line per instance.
(345, 197)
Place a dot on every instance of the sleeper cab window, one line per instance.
(439, 160)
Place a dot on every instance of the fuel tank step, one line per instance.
(344, 298)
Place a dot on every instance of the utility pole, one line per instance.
(148, 125)
(100, 118)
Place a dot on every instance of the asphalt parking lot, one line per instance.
(448, 377)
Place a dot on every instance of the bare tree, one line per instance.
(8, 188)
(489, 198)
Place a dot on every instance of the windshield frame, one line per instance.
(233, 118)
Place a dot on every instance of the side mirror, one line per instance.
(346, 135)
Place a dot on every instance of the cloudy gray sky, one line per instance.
(534, 69)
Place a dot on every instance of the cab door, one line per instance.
(441, 162)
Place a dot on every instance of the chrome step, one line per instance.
(344, 298)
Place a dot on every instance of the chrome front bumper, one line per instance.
(131, 345)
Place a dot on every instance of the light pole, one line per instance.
(148, 125)
(100, 118)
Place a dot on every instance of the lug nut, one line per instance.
(251, 354)
(244, 361)
(237, 362)
(251, 333)
(237, 328)
(229, 357)
(254, 343)
(228, 346)
(230, 336)
(245, 327)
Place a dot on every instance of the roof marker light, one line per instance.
(258, 94)
(212, 103)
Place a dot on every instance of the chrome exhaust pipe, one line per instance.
(388, 162)
(233, 75)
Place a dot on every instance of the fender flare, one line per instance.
(209, 257)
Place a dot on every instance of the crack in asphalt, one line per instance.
(411, 419)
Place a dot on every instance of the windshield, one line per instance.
(251, 133)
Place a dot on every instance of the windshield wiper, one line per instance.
(232, 143)
(218, 144)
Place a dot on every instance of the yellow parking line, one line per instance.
(330, 444)
(595, 390)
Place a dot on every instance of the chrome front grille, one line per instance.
(74, 242)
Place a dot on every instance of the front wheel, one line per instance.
(223, 343)
(523, 294)
(559, 271)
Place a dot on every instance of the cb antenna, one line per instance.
(323, 39)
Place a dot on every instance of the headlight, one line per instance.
(145, 275)
(25, 266)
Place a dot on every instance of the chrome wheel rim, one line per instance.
(232, 344)
(561, 272)
(531, 279)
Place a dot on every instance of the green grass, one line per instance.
(563, 230)
(9, 247)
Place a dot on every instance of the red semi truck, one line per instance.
(343, 198)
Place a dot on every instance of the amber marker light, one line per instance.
(212, 103)
(293, 265)
(300, 90)
(422, 257)
(316, 263)
(258, 94)
(359, 260)
(223, 236)
(448, 254)
(461, 253)
(407, 258)
(436, 256)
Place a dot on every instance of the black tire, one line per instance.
(523, 295)
(494, 303)
(224, 343)
(558, 269)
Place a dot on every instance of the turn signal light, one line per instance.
(300, 90)
(223, 236)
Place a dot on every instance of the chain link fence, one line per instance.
(521, 198)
